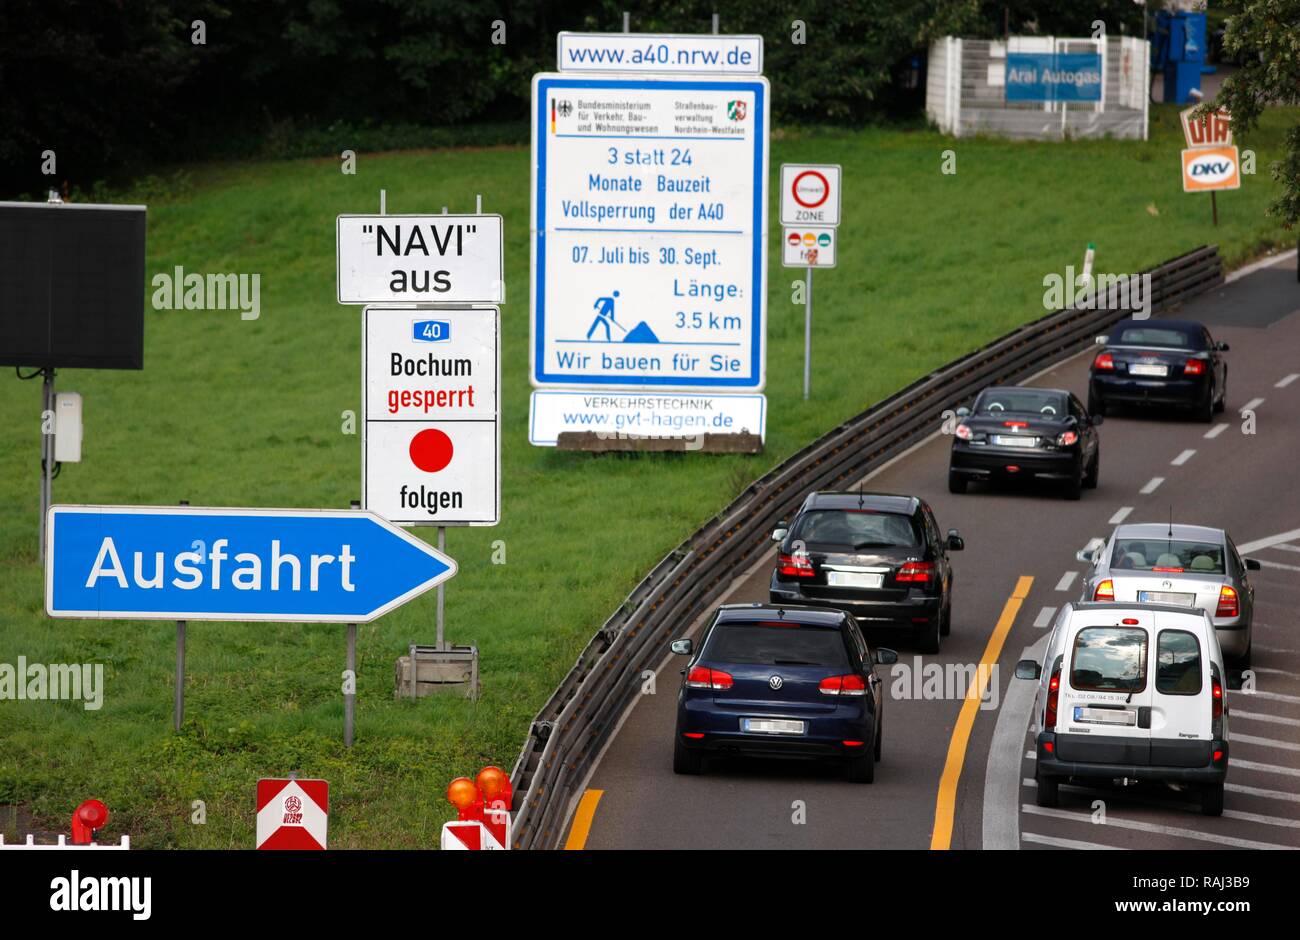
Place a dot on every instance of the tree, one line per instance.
(1264, 35)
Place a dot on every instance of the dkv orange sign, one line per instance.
(1211, 168)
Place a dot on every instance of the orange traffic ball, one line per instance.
(462, 792)
(492, 781)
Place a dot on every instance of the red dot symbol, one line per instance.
(431, 450)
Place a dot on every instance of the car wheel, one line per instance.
(1205, 411)
(880, 737)
(927, 637)
(945, 623)
(1048, 793)
(1222, 402)
(685, 760)
(956, 483)
(1094, 471)
(862, 769)
(1074, 488)
(1096, 404)
(1212, 799)
(1243, 661)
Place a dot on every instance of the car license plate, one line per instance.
(1105, 716)
(1144, 368)
(771, 726)
(1167, 597)
(1010, 440)
(854, 579)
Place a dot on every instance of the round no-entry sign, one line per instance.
(810, 189)
(810, 194)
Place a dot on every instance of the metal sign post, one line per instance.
(47, 451)
(350, 698)
(807, 336)
(178, 710)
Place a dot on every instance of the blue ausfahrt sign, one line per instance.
(191, 563)
(1053, 76)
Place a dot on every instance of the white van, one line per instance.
(1131, 692)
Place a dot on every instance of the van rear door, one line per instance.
(1182, 700)
(1104, 715)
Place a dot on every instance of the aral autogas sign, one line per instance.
(1053, 76)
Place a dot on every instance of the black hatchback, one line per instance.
(878, 556)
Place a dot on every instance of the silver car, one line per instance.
(1183, 565)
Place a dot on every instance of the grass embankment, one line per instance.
(230, 412)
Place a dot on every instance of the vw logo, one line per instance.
(776, 682)
(1166, 584)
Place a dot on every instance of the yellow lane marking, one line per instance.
(941, 837)
(582, 819)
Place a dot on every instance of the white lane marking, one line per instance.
(1286, 651)
(1263, 768)
(1215, 431)
(1275, 696)
(1260, 791)
(1272, 719)
(1265, 742)
(1261, 263)
(1287, 380)
(1152, 485)
(1182, 458)
(1267, 670)
(1280, 821)
(1286, 548)
(1044, 617)
(1268, 542)
(1001, 824)
(1175, 831)
(1067, 579)
(1252, 404)
(1121, 515)
(1265, 563)
(1032, 755)
(1058, 843)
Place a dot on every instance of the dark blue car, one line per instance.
(781, 682)
(1159, 362)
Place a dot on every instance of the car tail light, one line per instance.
(963, 432)
(852, 684)
(1067, 438)
(702, 677)
(1015, 424)
(1104, 361)
(693, 735)
(1158, 568)
(794, 566)
(1130, 621)
(915, 572)
(1228, 606)
(1216, 698)
(853, 743)
(1105, 591)
(1053, 695)
(1194, 367)
(1049, 746)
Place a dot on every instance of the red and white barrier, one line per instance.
(483, 811)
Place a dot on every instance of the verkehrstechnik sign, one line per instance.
(649, 232)
(1053, 76)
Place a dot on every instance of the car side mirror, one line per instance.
(1221, 346)
(780, 532)
(1097, 419)
(682, 647)
(884, 656)
(955, 542)
(963, 412)
(1085, 555)
(1253, 565)
(1028, 669)
(1101, 340)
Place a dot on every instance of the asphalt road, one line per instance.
(974, 789)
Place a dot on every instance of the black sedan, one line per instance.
(878, 556)
(1159, 362)
(1018, 433)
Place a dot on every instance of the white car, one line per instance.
(1131, 692)
(1182, 565)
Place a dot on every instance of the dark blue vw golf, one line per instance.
(781, 682)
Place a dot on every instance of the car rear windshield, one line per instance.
(1021, 401)
(859, 528)
(1162, 336)
(1178, 663)
(1167, 555)
(776, 644)
(1109, 659)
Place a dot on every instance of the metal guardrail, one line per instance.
(579, 718)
